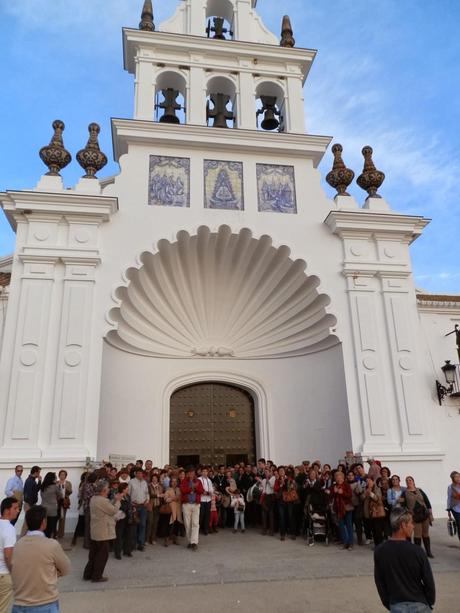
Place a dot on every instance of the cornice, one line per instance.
(350, 224)
(190, 44)
(438, 303)
(65, 202)
(143, 132)
(55, 254)
(455, 298)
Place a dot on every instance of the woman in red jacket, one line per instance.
(341, 495)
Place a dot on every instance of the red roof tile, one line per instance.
(438, 298)
(4, 278)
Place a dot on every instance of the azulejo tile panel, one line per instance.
(169, 181)
(276, 188)
(223, 185)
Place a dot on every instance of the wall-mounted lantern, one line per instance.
(452, 388)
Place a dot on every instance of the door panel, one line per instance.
(213, 421)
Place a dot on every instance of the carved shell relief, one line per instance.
(221, 295)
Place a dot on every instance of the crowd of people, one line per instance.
(124, 510)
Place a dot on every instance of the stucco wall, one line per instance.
(301, 406)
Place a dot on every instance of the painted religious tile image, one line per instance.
(223, 185)
(169, 181)
(276, 188)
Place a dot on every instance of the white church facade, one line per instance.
(210, 301)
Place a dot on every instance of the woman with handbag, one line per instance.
(124, 525)
(418, 504)
(341, 500)
(374, 511)
(453, 499)
(170, 514)
(65, 492)
(50, 497)
(153, 508)
(286, 495)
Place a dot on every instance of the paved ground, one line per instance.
(248, 573)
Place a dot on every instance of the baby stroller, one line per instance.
(317, 521)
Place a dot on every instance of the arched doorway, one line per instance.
(211, 423)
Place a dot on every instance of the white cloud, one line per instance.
(92, 18)
(412, 160)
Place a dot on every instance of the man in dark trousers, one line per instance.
(402, 572)
(31, 489)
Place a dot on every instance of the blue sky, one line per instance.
(386, 74)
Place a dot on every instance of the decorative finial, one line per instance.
(287, 38)
(371, 178)
(147, 23)
(54, 155)
(91, 158)
(340, 176)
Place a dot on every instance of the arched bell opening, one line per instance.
(170, 98)
(221, 103)
(219, 19)
(270, 107)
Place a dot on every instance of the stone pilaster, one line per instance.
(46, 399)
(394, 403)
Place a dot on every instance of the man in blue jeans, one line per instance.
(37, 563)
(402, 572)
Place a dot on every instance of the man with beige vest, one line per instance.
(102, 528)
(37, 564)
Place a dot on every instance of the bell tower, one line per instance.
(215, 64)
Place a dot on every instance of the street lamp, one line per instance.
(452, 389)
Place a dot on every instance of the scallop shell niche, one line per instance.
(221, 295)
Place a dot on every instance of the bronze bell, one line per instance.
(218, 29)
(270, 122)
(220, 114)
(170, 106)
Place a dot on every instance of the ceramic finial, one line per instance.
(340, 176)
(371, 179)
(147, 22)
(287, 38)
(54, 155)
(91, 158)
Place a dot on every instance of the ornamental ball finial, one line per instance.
(340, 176)
(287, 35)
(147, 22)
(91, 158)
(54, 155)
(370, 179)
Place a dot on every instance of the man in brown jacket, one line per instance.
(37, 564)
(102, 526)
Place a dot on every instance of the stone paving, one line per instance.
(234, 558)
(250, 573)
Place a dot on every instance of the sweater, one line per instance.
(37, 563)
(403, 573)
(31, 489)
(191, 491)
(50, 500)
(102, 513)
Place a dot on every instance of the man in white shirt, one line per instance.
(140, 497)
(205, 504)
(15, 487)
(9, 512)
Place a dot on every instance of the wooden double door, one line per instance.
(211, 423)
